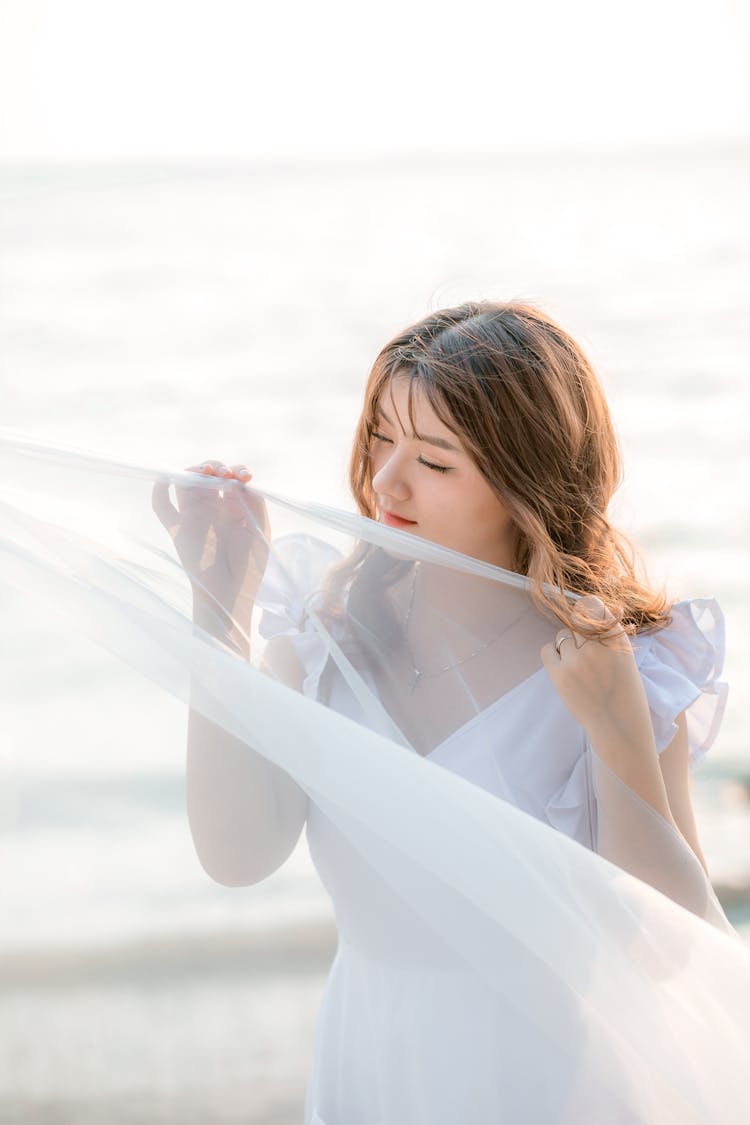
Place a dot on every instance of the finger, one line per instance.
(588, 610)
(218, 469)
(188, 495)
(566, 636)
(163, 506)
(210, 468)
(242, 475)
(592, 607)
(236, 507)
(550, 659)
(255, 511)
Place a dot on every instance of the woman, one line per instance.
(504, 635)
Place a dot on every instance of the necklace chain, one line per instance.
(419, 673)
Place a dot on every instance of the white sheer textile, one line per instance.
(522, 938)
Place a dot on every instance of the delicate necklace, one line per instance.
(419, 673)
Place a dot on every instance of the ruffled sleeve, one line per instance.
(680, 667)
(292, 579)
(570, 808)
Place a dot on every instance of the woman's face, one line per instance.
(433, 483)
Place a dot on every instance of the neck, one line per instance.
(479, 604)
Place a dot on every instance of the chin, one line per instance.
(393, 552)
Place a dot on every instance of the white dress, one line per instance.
(402, 1034)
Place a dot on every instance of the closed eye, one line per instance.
(430, 465)
(420, 459)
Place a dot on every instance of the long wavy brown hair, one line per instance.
(529, 409)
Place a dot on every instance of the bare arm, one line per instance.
(662, 780)
(641, 803)
(245, 813)
(674, 762)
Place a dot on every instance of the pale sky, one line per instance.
(234, 79)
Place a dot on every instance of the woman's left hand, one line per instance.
(599, 681)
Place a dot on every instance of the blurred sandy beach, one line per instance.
(216, 1032)
(159, 1032)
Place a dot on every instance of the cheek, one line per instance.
(482, 506)
(453, 501)
(496, 515)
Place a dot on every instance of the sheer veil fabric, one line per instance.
(522, 938)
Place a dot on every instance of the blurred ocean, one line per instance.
(168, 315)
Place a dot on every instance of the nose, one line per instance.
(389, 480)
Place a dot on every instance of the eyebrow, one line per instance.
(441, 443)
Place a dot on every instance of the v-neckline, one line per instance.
(495, 705)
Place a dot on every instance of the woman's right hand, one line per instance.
(221, 537)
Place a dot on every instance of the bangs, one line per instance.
(421, 378)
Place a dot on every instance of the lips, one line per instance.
(393, 520)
